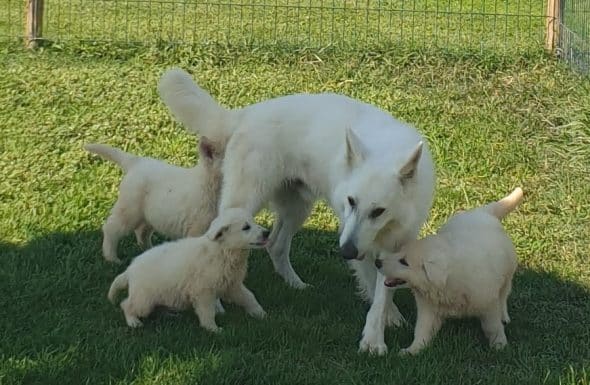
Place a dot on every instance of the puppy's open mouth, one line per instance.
(394, 282)
(259, 243)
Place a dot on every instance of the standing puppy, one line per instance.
(154, 195)
(194, 271)
(465, 269)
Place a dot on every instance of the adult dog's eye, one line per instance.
(376, 212)
(246, 227)
(351, 202)
(403, 262)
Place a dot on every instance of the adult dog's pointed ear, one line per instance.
(408, 170)
(436, 271)
(354, 149)
(207, 149)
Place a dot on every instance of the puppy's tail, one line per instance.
(505, 205)
(122, 158)
(121, 282)
(194, 107)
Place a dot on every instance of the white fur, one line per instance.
(465, 269)
(292, 150)
(194, 272)
(154, 195)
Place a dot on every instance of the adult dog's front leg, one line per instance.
(383, 312)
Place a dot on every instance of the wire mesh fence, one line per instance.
(574, 33)
(462, 24)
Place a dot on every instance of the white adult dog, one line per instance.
(376, 173)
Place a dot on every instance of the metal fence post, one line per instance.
(34, 22)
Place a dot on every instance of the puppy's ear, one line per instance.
(408, 170)
(207, 148)
(220, 233)
(436, 272)
(354, 149)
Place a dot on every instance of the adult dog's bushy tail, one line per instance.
(505, 205)
(122, 158)
(192, 106)
(121, 282)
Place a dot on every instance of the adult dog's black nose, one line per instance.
(349, 251)
(378, 263)
(265, 233)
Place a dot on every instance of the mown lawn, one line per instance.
(493, 123)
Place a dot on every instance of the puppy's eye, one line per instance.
(246, 227)
(403, 262)
(376, 212)
(351, 202)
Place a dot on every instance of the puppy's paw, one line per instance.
(499, 345)
(112, 259)
(134, 322)
(393, 317)
(409, 351)
(213, 329)
(258, 313)
(377, 348)
(299, 284)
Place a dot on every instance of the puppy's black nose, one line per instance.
(378, 263)
(349, 251)
(266, 233)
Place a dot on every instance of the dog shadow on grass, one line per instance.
(60, 328)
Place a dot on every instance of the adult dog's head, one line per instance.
(375, 200)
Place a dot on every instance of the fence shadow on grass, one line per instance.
(60, 328)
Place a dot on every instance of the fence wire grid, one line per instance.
(465, 24)
(574, 34)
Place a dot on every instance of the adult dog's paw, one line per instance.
(373, 346)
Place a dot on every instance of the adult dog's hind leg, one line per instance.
(292, 209)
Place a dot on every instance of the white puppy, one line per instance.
(465, 269)
(375, 172)
(194, 271)
(154, 195)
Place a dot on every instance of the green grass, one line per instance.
(493, 123)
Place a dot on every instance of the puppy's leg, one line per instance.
(492, 326)
(292, 210)
(123, 218)
(241, 296)
(204, 305)
(504, 293)
(428, 323)
(134, 308)
(373, 339)
(219, 309)
(143, 235)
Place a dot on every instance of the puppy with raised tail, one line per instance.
(194, 272)
(176, 202)
(465, 269)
